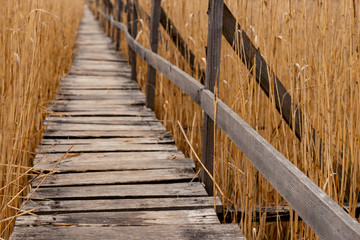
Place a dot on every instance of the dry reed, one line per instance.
(36, 49)
(314, 48)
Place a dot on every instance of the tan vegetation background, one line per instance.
(314, 48)
(36, 49)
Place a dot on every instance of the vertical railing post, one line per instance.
(96, 9)
(119, 10)
(128, 18)
(211, 76)
(108, 26)
(154, 40)
(133, 34)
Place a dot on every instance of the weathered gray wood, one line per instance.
(87, 55)
(106, 147)
(107, 141)
(194, 189)
(112, 161)
(120, 205)
(156, 232)
(90, 108)
(154, 41)
(133, 34)
(116, 177)
(119, 11)
(325, 217)
(212, 77)
(104, 157)
(177, 217)
(109, 112)
(108, 102)
(100, 63)
(99, 73)
(103, 133)
(117, 93)
(128, 10)
(100, 66)
(65, 95)
(85, 127)
(105, 120)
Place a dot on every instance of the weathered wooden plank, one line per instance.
(107, 141)
(107, 113)
(99, 127)
(194, 189)
(117, 177)
(106, 147)
(211, 78)
(176, 217)
(105, 120)
(154, 41)
(112, 96)
(69, 86)
(117, 93)
(70, 99)
(117, 205)
(104, 157)
(100, 103)
(95, 79)
(99, 47)
(101, 66)
(165, 232)
(112, 109)
(103, 133)
(112, 161)
(99, 73)
(85, 141)
(87, 55)
(121, 63)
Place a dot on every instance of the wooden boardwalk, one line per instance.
(127, 179)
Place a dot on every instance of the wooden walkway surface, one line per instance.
(128, 180)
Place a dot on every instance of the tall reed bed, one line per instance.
(36, 49)
(314, 48)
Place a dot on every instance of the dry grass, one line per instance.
(36, 45)
(314, 48)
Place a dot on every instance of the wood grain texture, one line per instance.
(165, 232)
(211, 78)
(154, 41)
(121, 205)
(194, 189)
(120, 5)
(117, 177)
(137, 218)
(113, 161)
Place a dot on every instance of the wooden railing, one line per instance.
(327, 219)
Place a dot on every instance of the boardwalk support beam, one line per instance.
(154, 40)
(211, 77)
(119, 11)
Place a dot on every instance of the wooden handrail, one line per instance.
(327, 219)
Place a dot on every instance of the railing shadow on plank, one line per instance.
(326, 218)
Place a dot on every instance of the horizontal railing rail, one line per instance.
(327, 219)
